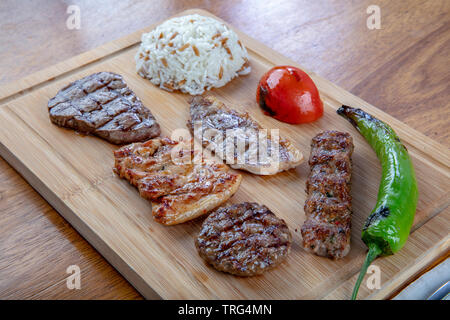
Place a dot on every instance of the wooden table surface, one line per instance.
(403, 68)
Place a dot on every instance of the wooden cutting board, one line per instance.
(74, 174)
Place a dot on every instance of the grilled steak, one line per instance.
(328, 208)
(103, 105)
(181, 188)
(244, 239)
(210, 119)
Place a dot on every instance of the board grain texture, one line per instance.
(74, 174)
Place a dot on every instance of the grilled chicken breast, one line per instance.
(328, 208)
(179, 186)
(103, 105)
(239, 140)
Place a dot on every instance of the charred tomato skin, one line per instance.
(289, 95)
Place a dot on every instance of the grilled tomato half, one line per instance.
(288, 94)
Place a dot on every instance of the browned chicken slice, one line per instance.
(328, 208)
(179, 186)
(240, 144)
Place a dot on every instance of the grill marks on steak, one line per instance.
(326, 231)
(210, 116)
(103, 105)
(179, 191)
(244, 239)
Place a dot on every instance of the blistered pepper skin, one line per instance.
(387, 227)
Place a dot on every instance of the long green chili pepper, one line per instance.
(387, 228)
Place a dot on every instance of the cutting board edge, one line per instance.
(414, 268)
(411, 273)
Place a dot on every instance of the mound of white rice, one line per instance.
(192, 53)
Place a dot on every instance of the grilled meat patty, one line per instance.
(244, 239)
(181, 188)
(103, 105)
(211, 118)
(328, 208)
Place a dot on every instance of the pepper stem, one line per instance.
(374, 252)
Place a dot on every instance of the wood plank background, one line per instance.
(398, 68)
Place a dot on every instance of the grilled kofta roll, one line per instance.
(328, 208)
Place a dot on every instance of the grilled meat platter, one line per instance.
(183, 182)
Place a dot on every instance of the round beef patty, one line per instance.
(244, 239)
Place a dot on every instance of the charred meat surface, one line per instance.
(102, 104)
(328, 208)
(244, 239)
(181, 188)
(211, 118)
